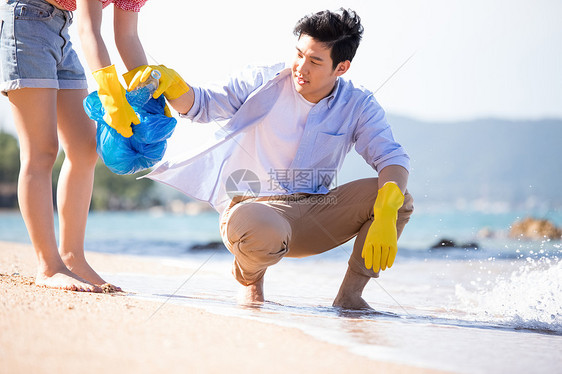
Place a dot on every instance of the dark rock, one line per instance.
(450, 244)
(444, 243)
(469, 245)
(207, 246)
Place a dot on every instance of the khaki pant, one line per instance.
(259, 232)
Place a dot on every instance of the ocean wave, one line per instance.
(529, 298)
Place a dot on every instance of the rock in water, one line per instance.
(533, 228)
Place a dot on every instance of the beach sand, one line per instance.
(47, 331)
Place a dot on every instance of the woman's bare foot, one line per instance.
(64, 279)
(79, 266)
(351, 289)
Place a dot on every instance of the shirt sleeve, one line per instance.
(374, 139)
(218, 103)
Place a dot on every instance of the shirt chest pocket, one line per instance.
(329, 149)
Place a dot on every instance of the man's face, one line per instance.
(313, 74)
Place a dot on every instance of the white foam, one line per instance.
(529, 298)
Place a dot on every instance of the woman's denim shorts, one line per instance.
(35, 47)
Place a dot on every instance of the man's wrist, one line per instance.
(389, 197)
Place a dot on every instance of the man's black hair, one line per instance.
(341, 31)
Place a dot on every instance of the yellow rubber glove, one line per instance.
(118, 113)
(380, 247)
(128, 76)
(171, 84)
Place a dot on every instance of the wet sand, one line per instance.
(46, 330)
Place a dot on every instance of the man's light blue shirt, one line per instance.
(350, 116)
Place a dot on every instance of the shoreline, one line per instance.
(46, 330)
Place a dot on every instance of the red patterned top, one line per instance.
(130, 5)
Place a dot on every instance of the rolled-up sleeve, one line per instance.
(374, 139)
(218, 103)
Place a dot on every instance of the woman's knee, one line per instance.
(39, 157)
(85, 160)
(82, 154)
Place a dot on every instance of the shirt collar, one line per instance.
(330, 98)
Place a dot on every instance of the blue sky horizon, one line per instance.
(436, 61)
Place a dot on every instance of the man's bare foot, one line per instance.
(355, 302)
(79, 266)
(253, 294)
(351, 289)
(64, 279)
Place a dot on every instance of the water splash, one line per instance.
(530, 298)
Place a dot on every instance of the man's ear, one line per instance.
(342, 68)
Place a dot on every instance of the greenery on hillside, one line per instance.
(9, 169)
(111, 191)
(9, 158)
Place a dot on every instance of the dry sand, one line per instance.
(54, 331)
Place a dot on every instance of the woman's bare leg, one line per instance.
(77, 134)
(34, 111)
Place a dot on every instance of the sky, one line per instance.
(436, 60)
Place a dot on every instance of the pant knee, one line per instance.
(258, 239)
(264, 239)
(257, 235)
(407, 208)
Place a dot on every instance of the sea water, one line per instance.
(492, 309)
(463, 316)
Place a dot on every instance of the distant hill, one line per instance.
(490, 160)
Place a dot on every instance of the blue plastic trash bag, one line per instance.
(142, 150)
